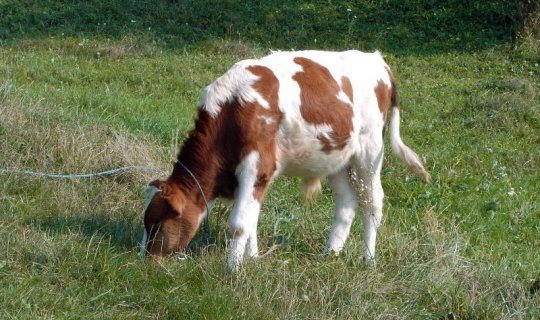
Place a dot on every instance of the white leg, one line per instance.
(345, 210)
(371, 195)
(372, 203)
(243, 231)
(252, 249)
(245, 213)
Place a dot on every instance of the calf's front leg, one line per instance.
(245, 213)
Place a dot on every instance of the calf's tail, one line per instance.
(405, 153)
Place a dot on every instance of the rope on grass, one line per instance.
(79, 176)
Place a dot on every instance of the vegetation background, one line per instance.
(92, 85)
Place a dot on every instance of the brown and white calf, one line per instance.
(311, 114)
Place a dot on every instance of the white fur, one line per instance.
(368, 166)
(267, 119)
(405, 153)
(245, 213)
(346, 204)
(142, 245)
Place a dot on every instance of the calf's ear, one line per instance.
(171, 193)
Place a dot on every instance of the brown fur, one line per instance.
(347, 87)
(394, 97)
(383, 94)
(319, 94)
(162, 216)
(386, 97)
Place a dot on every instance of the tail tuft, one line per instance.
(311, 187)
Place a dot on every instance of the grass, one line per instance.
(76, 96)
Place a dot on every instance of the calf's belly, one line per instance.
(310, 161)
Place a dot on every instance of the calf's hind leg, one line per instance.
(345, 210)
(371, 194)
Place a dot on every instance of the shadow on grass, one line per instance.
(122, 232)
(401, 27)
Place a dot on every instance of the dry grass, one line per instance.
(37, 138)
(113, 52)
(41, 140)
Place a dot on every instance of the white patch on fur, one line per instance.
(142, 245)
(236, 83)
(300, 149)
(342, 96)
(267, 119)
(211, 204)
(150, 193)
(324, 131)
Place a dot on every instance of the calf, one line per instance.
(311, 114)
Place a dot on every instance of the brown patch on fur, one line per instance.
(383, 94)
(386, 97)
(268, 87)
(172, 194)
(320, 104)
(168, 221)
(346, 86)
(394, 98)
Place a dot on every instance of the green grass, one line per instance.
(91, 91)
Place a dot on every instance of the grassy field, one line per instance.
(88, 86)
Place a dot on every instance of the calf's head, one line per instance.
(170, 219)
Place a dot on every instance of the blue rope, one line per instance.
(78, 176)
